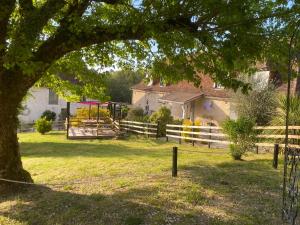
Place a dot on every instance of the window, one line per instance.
(217, 86)
(53, 98)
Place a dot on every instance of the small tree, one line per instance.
(43, 125)
(136, 114)
(241, 135)
(259, 104)
(49, 115)
(163, 116)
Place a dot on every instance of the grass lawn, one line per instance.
(129, 182)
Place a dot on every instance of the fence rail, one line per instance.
(149, 129)
(268, 136)
(28, 127)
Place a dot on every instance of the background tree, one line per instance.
(220, 38)
(118, 85)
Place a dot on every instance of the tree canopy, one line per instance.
(220, 38)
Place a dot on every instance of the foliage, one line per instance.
(119, 85)
(85, 112)
(124, 111)
(136, 114)
(49, 115)
(258, 104)
(294, 113)
(163, 117)
(241, 134)
(43, 125)
(177, 121)
(187, 122)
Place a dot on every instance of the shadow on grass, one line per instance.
(86, 149)
(246, 192)
(253, 186)
(46, 206)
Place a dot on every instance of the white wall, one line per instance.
(37, 103)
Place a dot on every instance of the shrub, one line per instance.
(124, 111)
(259, 104)
(187, 123)
(85, 112)
(49, 115)
(177, 122)
(163, 116)
(136, 114)
(42, 125)
(241, 134)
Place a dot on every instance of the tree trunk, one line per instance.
(10, 158)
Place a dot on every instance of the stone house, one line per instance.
(209, 103)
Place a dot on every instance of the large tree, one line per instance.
(37, 37)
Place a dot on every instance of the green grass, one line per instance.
(129, 182)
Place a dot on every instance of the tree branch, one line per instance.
(6, 8)
(33, 21)
(26, 6)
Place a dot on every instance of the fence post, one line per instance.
(275, 156)
(174, 164)
(209, 137)
(179, 140)
(256, 149)
(147, 130)
(157, 129)
(167, 138)
(68, 119)
(193, 141)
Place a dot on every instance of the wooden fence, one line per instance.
(267, 136)
(149, 129)
(29, 127)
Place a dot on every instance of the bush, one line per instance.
(124, 111)
(136, 114)
(241, 134)
(187, 123)
(42, 125)
(259, 104)
(163, 116)
(49, 115)
(85, 112)
(177, 121)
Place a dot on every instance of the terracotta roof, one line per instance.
(180, 97)
(206, 88)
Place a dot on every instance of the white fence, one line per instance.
(149, 129)
(267, 136)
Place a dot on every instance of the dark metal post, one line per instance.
(90, 111)
(275, 156)
(174, 164)
(114, 112)
(68, 119)
(98, 114)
